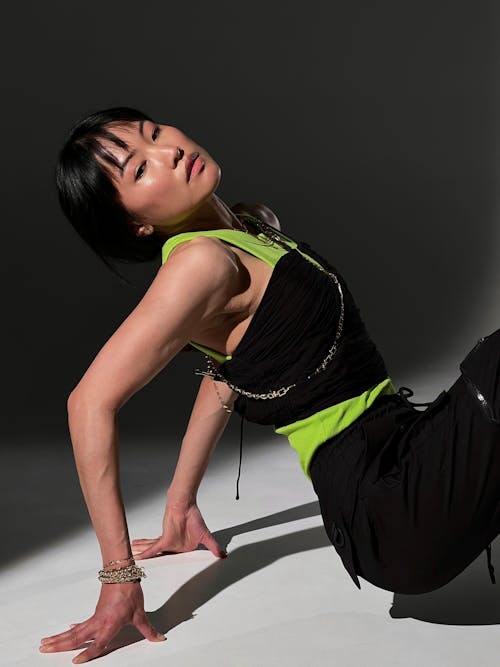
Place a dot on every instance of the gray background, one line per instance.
(370, 128)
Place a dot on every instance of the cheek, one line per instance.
(177, 137)
(157, 185)
(164, 196)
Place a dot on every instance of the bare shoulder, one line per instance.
(199, 269)
(208, 246)
(260, 210)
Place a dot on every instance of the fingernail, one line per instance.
(161, 637)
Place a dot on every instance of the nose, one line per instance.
(170, 153)
(179, 155)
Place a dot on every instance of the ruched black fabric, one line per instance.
(288, 337)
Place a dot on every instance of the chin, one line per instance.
(214, 174)
(217, 172)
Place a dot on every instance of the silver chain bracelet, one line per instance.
(211, 371)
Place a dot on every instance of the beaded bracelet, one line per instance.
(121, 575)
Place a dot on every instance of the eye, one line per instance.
(154, 137)
(139, 173)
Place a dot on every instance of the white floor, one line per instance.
(281, 596)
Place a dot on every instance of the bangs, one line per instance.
(86, 175)
(98, 150)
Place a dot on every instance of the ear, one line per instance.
(140, 229)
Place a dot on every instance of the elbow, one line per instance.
(76, 399)
(71, 402)
(86, 399)
(75, 406)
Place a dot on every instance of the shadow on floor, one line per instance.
(469, 599)
(41, 494)
(44, 484)
(463, 601)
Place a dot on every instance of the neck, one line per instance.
(213, 213)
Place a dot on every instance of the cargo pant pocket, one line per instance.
(382, 458)
(392, 438)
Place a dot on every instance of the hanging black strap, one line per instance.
(241, 452)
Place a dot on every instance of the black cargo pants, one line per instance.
(409, 498)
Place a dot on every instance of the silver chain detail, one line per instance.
(273, 237)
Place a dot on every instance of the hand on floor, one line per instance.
(183, 530)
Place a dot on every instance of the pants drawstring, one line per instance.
(404, 392)
(241, 452)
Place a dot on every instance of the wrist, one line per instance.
(121, 575)
(178, 499)
(122, 586)
(120, 562)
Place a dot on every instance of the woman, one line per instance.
(408, 497)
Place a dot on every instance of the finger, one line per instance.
(147, 553)
(155, 549)
(146, 544)
(67, 641)
(52, 638)
(90, 636)
(139, 553)
(61, 636)
(144, 541)
(97, 648)
(144, 626)
(211, 543)
(74, 625)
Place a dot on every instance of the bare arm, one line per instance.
(183, 527)
(158, 328)
(205, 427)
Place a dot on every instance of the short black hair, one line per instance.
(89, 198)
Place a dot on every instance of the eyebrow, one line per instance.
(132, 153)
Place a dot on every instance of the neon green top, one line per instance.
(304, 435)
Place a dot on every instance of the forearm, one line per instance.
(205, 427)
(94, 437)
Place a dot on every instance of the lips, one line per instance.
(189, 164)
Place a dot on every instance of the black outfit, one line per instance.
(409, 498)
(289, 335)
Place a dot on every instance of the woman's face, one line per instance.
(153, 184)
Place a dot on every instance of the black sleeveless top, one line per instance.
(290, 334)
